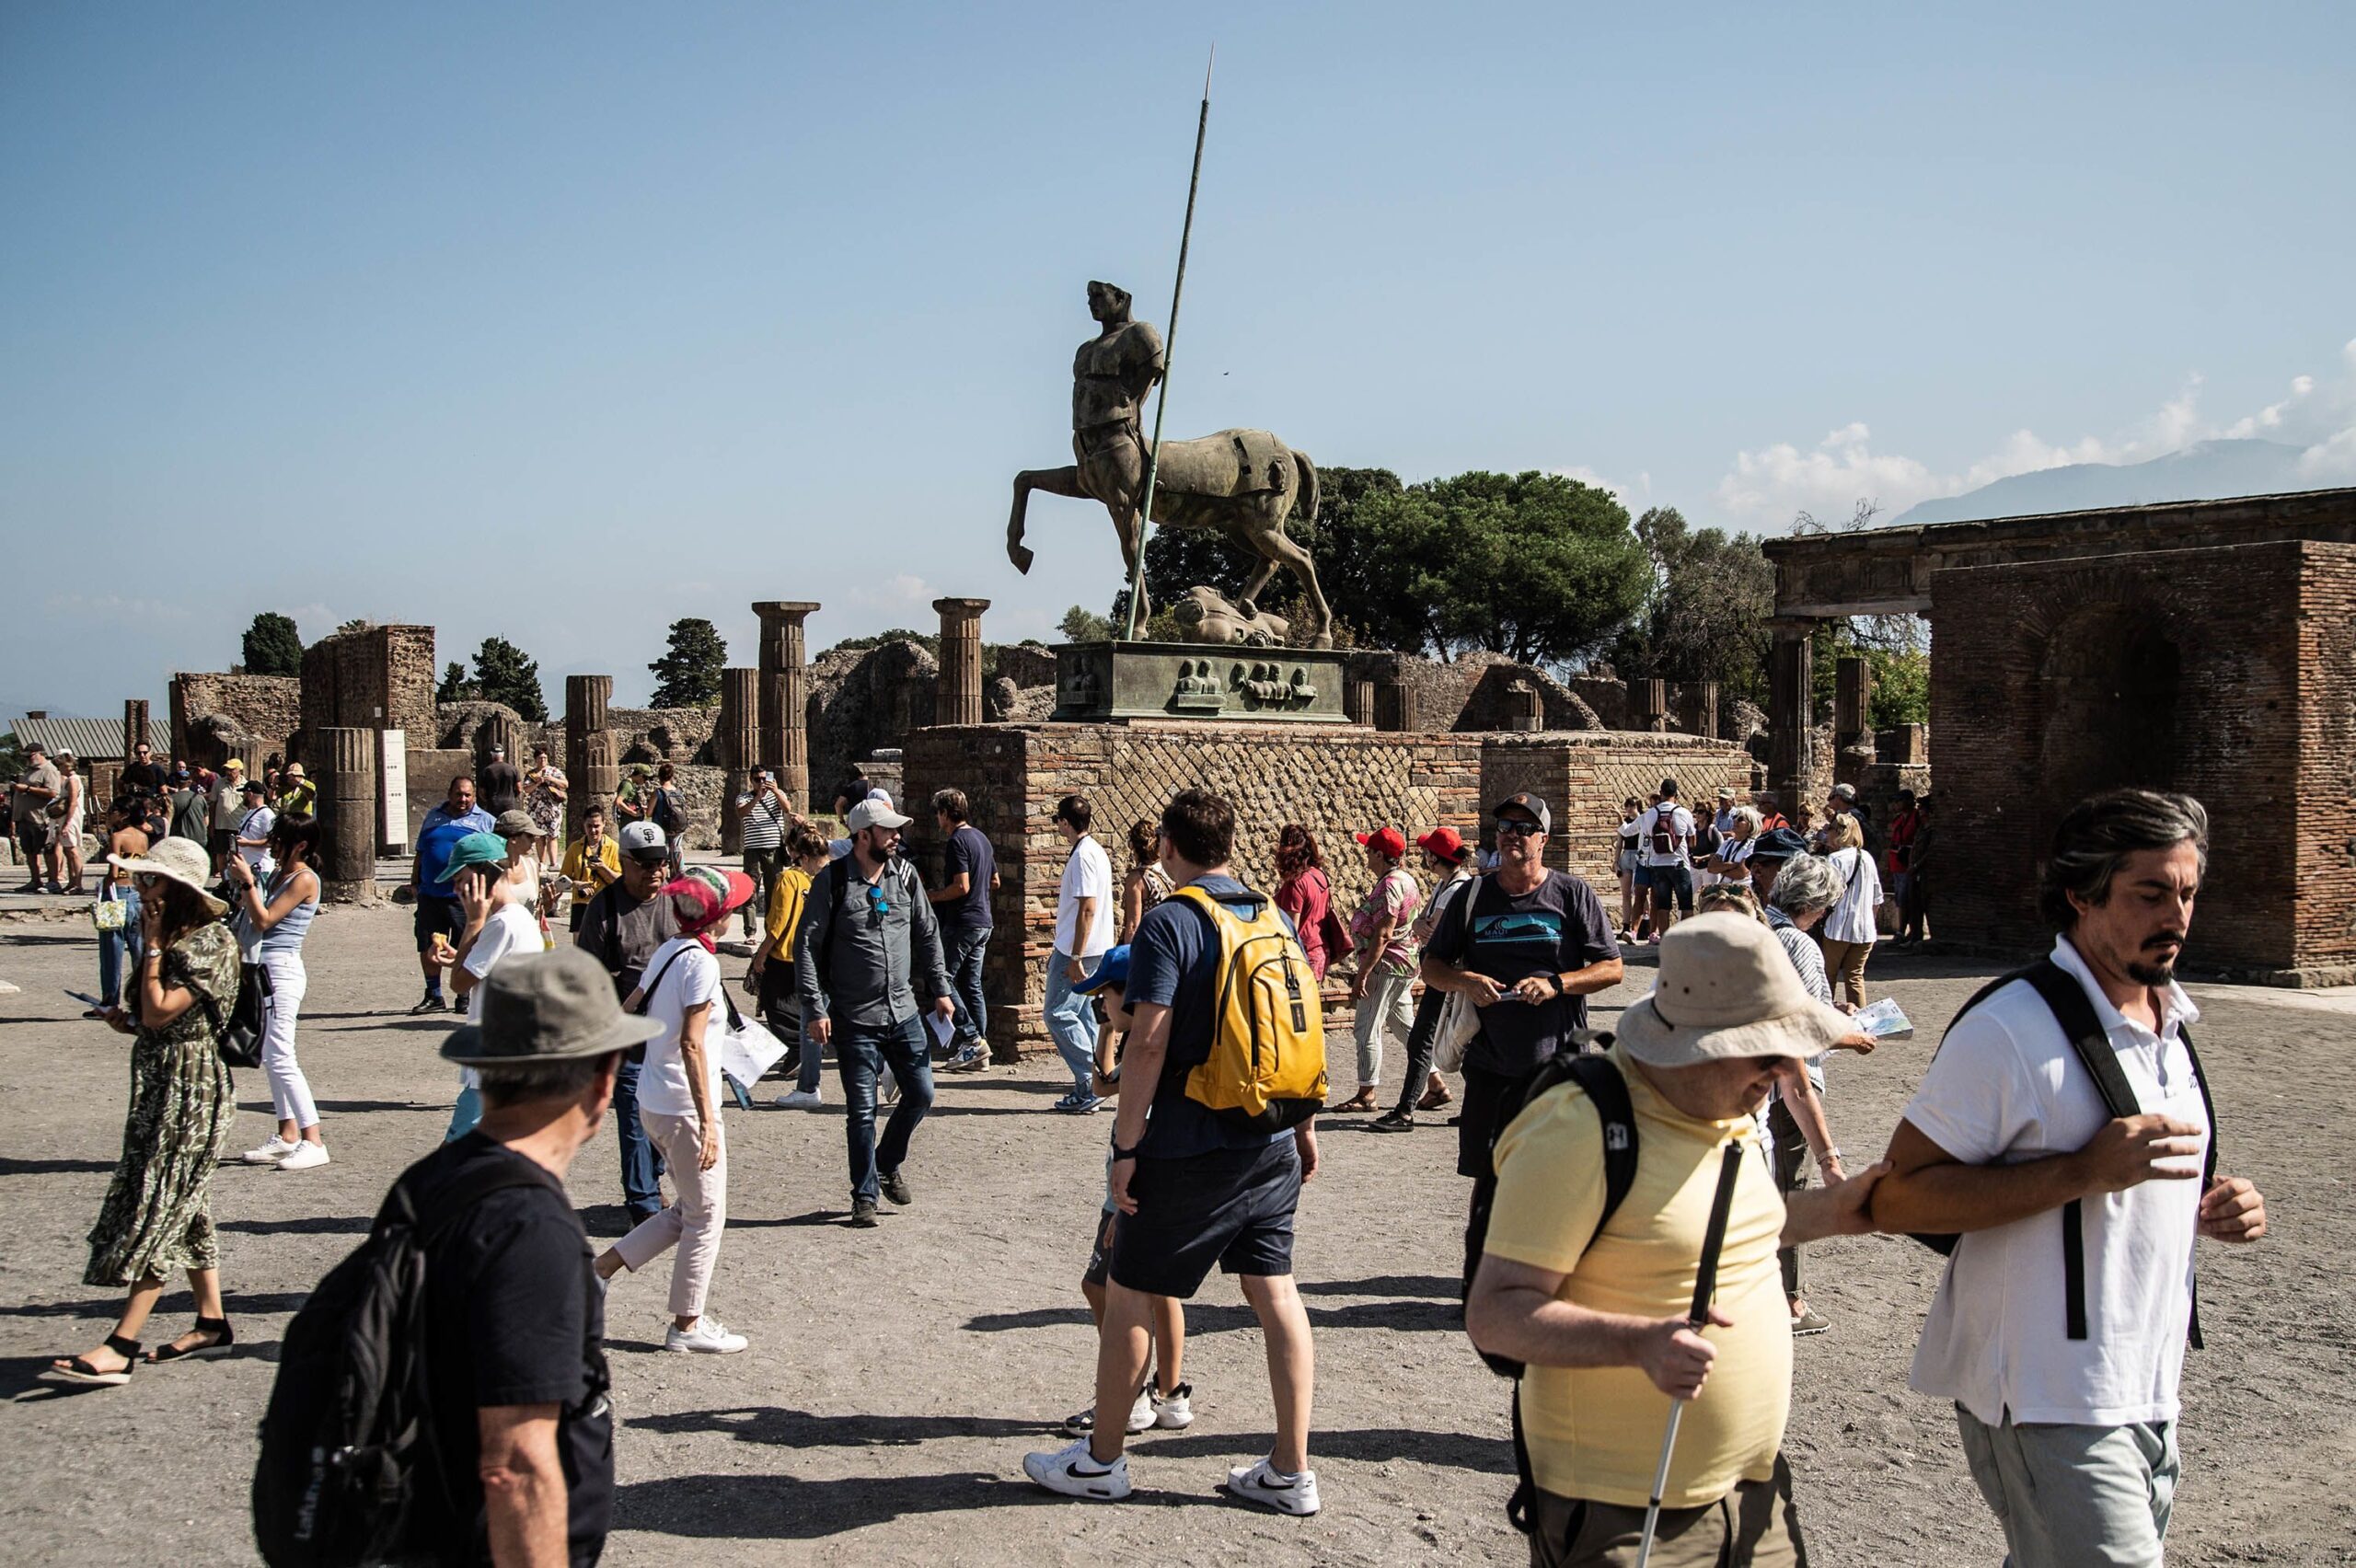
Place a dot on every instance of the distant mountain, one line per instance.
(2207, 471)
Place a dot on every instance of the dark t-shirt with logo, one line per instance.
(1555, 928)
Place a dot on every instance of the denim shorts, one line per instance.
(1230, 1206)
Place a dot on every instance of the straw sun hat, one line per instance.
(1727, 990)
(181, 859)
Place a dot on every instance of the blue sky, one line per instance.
(560, 322)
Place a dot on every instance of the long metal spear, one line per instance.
(1697, 1318)
(1169, 353)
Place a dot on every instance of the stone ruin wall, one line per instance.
(1334, 782)
(217, 716)
(1583, 776)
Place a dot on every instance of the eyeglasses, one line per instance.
(1517, 828)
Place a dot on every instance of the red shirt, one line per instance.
(1306, 898)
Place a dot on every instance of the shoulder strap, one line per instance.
(2066, 999)
(646, 991)
(1599, 1078)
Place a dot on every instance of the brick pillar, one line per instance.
(346, 783)
(1791, 730)
(1525, 709)
(785, 694)
(134, 725)
(496, 732)
(1357, 701)
(589, 758)
(738, 743)
(1394, 707)
(960, 701)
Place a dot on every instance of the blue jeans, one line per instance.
(1071, 1023)
(861, 1055)
(962, 950)
(812, 1070)
(114, 945)
(642, 1166)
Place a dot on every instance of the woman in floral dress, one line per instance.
(156, 1217)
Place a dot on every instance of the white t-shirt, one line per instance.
(1851, 919)
(2006, 1087)
(691, 979)
(1087, 874)
(511, 928)
(257, 824)
(1681, 827)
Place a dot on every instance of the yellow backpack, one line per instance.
(1266, 1070)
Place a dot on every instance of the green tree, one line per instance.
(503, 675)
(457, 686)
(688, 675)
(1180, 558)
(1705, 618)
(272, 646)
(1081, 624)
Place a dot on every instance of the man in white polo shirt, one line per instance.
(2060, 1329)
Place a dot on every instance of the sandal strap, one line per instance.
(126, 1348)
(212, 1326)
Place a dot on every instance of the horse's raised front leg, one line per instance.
(1054, 481)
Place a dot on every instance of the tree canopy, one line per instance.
(688, 676)
(457, 686)
(503, 675)
(272, 646)
(1705, 613)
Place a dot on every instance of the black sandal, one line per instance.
(226, 1344)
(79, 1370)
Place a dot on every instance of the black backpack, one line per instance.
(1583, 1063)
(2066, 1000)
(347, 1441)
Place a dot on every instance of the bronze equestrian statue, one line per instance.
(1244, 483)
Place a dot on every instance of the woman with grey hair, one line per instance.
(1806, 887)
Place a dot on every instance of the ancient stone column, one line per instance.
(1394, 707)
(1852, 701)
(1791, 730)
(347, 782)
(1525, 709)
(960, 701)
(589, 759)
(785, 694)
(1648, 705)
(1358, 702)
(738, 743)
(499, 732)
(1700, 702)
(134, 727)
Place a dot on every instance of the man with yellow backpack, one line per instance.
(1228, 1032)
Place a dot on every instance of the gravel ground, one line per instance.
(897, 1376)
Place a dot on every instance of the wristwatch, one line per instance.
(1120, 1154)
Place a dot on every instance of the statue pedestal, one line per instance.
(1099, 683)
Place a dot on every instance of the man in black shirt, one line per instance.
(622, 929)
(1531, 948)
(968, 877)
(515, 1324)
(143, 775)
(503, 783)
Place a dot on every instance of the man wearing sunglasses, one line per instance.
(1527, 947)
(868, 941)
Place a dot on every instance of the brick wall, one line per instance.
(1334, 782)
(1584, 775)
(2324, 938)
(2176, 669)
(267, 707)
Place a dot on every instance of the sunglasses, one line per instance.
(1517, 828)
(877, 906)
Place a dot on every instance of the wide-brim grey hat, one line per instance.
(547, 1007)
(181, 859)
(1727, 990)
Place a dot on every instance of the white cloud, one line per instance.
(1769, 485)
(1628, 494)
(895, 594)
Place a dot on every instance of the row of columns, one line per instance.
(1792, 762)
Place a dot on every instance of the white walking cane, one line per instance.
(1697, 1318)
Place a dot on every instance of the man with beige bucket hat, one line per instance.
(1594, 1296)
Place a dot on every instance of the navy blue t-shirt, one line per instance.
(1174, 962)
(969, 852)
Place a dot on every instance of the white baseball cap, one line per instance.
(873, 812)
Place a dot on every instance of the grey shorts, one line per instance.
(2068, 1495)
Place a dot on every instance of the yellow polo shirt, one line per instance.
(1595, 1432)
(576, 866)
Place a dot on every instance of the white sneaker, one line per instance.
(1071, 1471)
(270, 1153)
(1175, 1411)
(800, 1100)
(709, 1337)
(306, 1155)
(1080, 1424)
(1262, 1484)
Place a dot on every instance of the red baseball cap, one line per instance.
(1385, 841)
(1444, 842)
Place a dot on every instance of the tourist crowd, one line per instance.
(2059, 1147)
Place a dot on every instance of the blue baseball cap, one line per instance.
(1113, 969)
